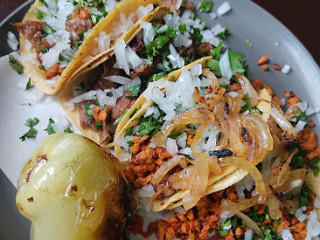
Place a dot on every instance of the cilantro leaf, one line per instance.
(305, 196)
(28, 85)
(32, 133)
(128, 131)
(213, 64)
(150, 125)
(15, 65)
(98, 125)
(135, 90)
(216, 51)
(31, 122)
(49, 128)
(154, 77)
(314, 165)
(236, 65)
(68, 130)
(197, 35)
(47, 29)
(224, 33)
(40, 15)
(248, 42)
(205, 6)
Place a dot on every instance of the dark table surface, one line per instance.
(301, 17)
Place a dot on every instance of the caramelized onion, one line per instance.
(240, 205)
(165, 168)
(283, 123)
(261, 139)
(198, 184)
(274, 206)
(249, 222)
(248, 89)
(251, 169)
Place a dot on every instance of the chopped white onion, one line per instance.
(286, 69)
(286, 234)
(248, 235)
(223, 8)
(225, 66)
(12, 41)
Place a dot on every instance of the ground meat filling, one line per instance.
(32, 30)
(77, 26)
(195, 51)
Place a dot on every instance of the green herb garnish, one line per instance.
(15, 65)
(68, 130)
(224, 33)
(49, 128)
(135, 90)
(248, 42)
(28, 85)
(205, 6)
(314, 165)
(32, 133)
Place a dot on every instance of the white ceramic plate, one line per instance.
(246, 20)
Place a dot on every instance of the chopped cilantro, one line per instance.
(213, 64)
(182, 28)
(277, 222)
(96, 101)
(44, 50)
(32, 133)
(224, 33)
(235, 63)
(77, 44)
(49, 128)
(226, 86)
(248, 42)
(175, 136)
(197, 35)
(150, 125)
(40, 15)
(135, 90)
(216, 51)
(28, 85)
(15, 65)
(305, 196)
(128, 131)
(130, 143)
(68, 130)
(192, 15)
(98, 125)
(47, 29)
(298, 160)
(154, 77)
(225, 227)
(161, 41)
(205, 6)
(314, 165)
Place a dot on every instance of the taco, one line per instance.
(58, 37)
(194, 134)
(97, 97)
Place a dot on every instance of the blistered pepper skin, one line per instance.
(72, 189)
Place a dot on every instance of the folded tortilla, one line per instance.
(90, 71)
(84, 55)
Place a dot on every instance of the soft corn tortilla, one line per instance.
(77, 65)
(88, 71)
